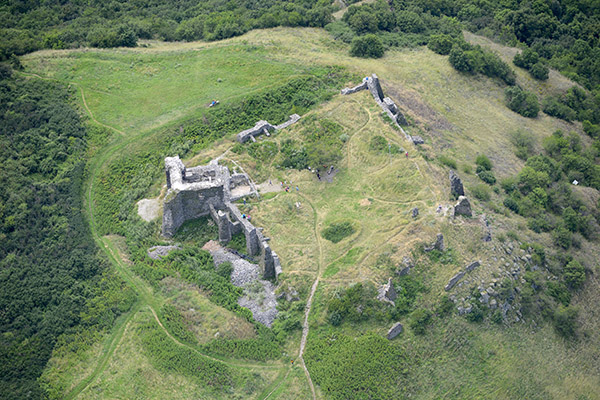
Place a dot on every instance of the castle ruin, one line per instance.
(211, 190)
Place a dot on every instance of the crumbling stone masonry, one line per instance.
(206, 190)
(263, 127)
(389, 107)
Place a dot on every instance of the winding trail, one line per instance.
(313, 289)
(145, 295)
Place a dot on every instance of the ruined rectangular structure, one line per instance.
(207, 190)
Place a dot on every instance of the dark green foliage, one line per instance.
(238, 243)
(441, 44)
(323, 142)
(522, 102)
(539, 71)
(337, 231)
(476, 315)
(419, 320)
(526, 59)
(168, 356)
(173, 320)
(112, 23)
(293, 155)
(574, 274)
(363, 367)
(199, 230)
(473, 59)
(487, 176)
(565, 321)
(263, 150)
(340, 31)
(484, 162)
(367, 46)
(53, 285)
(553, 107)
(559, 292)
(225, 269)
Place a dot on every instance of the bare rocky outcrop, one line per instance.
(395, 330)
(415, 212)
(463, 207)
(456, 186)
(207, 190)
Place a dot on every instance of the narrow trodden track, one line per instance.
(305, 325)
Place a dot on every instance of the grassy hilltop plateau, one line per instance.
(391, 286)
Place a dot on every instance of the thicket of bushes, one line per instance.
(54, 288)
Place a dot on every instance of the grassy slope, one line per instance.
(459, 116)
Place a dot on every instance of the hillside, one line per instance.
(186, 336)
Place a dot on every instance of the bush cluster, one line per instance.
(522, 101)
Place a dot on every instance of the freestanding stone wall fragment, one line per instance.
(463, 207)
(395, 330)
(206, 190)
(456, 186)
(387, 105)
(263, 127)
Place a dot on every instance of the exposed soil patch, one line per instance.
(149, 209)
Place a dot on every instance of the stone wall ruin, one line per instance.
(387, 105)
(263, 127)
(207, 190)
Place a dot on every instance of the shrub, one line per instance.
(523, 142)
(368, 46)
(484, 162)
(419, 320)
(447, 161)
(340, 31)
(522, 102)
(441, 44)
(488, 177)
(481, 192)
(574, 274)
(555, 108)
(562, 237)
(338, 231)
(225, 269)
(511, 204)
(526, 59)
(539, 71)
(461, 60)
(565, 321)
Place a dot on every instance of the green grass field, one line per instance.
(138, 90)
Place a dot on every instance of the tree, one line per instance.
(539, 71)
(363, 22)
(367, 46)
(574, 274)
(441, 44)
(522, 102)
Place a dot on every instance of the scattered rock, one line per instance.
(388, 290)
(395, 330)
(456, 186)
(415, 212)
(407, 265)
(417, 139)
(157, 252)
(463, 207)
